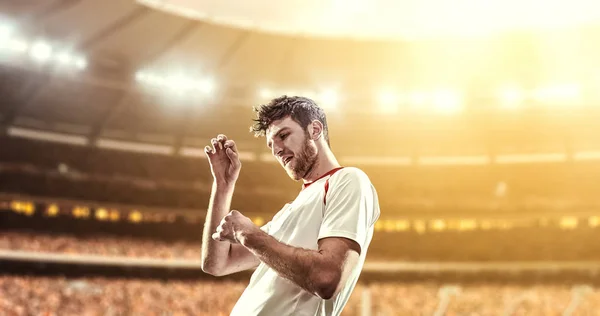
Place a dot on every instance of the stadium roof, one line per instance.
(385, 19)
(126, 70)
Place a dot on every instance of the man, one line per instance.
(309, 256)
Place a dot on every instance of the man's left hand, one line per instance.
(233, 227)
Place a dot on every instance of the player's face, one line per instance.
(292, 147)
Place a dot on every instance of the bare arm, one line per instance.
(322, 272)
(222, 258)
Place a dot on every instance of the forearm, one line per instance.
(310, 269)
(215, 253)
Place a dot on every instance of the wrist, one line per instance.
(223, 185)
(247, 237)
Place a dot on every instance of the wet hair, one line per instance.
(301, 109)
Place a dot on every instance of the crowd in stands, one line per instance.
(515, 245)
(536, 300)
(53, 296)
(57, 296)
(103, 245)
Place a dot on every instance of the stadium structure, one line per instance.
(479, 131)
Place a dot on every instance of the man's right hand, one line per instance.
(224, 161)
(222, 258)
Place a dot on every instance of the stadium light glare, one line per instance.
(206, 85)
(309, 94)
(258, 221)
(388, 101)
(438, 225)
(81, 63)
(18, 45)
(569, 222)
(568, 91)
(5, 33)
(64, 58)
(350, 6)
(140, 76)
(101, 214)
(52, 210)
(328, 99)
(269, 94)
(265, 93)
(114, 215)
(154, 79)
(178, 83)
(447, 102)
(511, 97)
(40, 51)
(402, 225)
(563, 94)
(135, 216)
(418, 99)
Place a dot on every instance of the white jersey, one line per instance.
(342, 203)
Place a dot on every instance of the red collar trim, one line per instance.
(332, 171)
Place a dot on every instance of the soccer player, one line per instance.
(308, 258)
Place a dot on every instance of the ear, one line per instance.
(317, 130)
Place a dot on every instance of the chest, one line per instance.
(298, 223)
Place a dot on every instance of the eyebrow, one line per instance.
(269, 143)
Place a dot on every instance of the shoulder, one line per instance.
(350, 176)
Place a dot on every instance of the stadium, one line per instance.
(475, 121)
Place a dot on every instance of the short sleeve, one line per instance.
(265, 227)
(351, 207)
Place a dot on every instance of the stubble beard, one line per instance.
(304, 162)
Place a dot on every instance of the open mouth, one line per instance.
(287, 160)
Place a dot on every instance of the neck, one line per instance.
(326, 161)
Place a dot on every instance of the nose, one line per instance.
(277, 150)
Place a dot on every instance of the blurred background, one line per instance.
(477, 121)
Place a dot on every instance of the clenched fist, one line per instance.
(225, 164)
(234, 227)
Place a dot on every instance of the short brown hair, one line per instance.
(301, 109)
